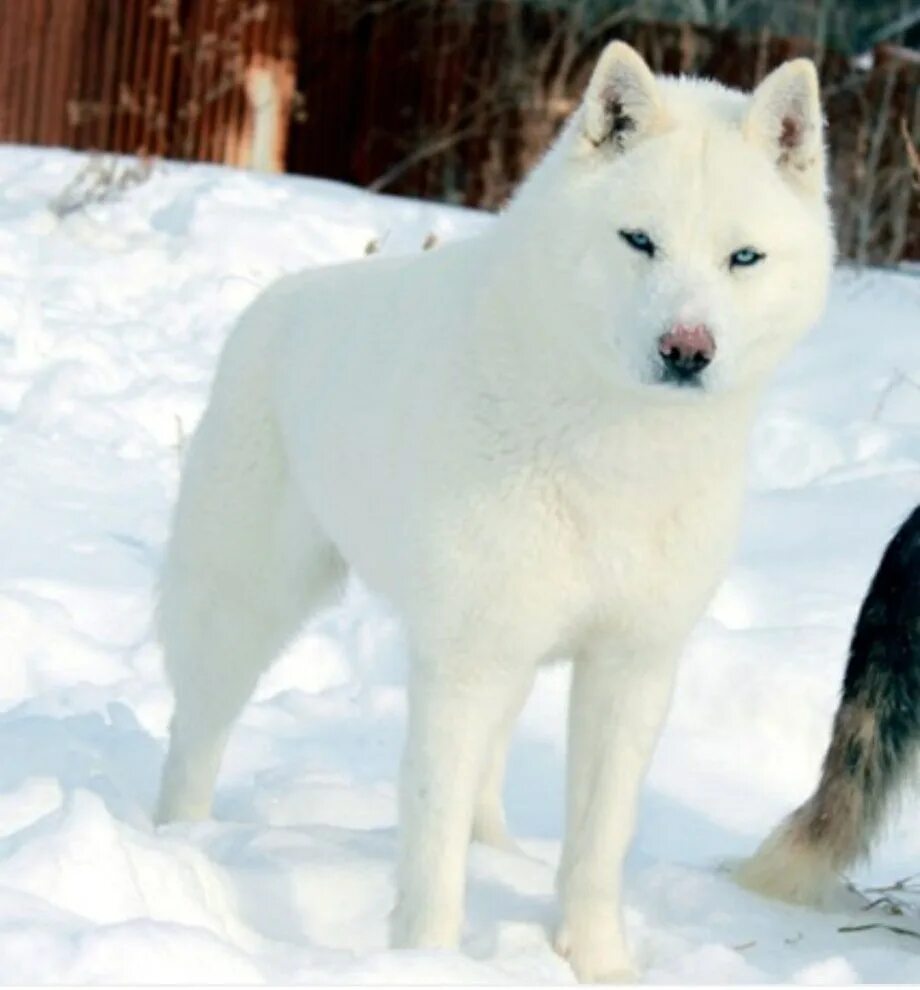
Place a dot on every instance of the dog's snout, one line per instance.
(686, 350)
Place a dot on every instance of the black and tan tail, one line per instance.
(875, 736)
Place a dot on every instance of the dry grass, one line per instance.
(900, 899)
(102, 179)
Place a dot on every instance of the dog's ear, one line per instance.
(784, 118)
(621, 100)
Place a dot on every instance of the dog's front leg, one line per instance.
(456, 708)
(616, 708)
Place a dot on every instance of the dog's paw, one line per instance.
(596, 953)
(497, 838)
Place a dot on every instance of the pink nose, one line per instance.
(686, 350)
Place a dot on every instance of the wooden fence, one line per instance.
(445, 99)
(158, 77)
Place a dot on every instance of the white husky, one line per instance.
(532, 443)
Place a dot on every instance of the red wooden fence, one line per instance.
(447, 99)
(158, 77)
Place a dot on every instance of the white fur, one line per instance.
(478, 431)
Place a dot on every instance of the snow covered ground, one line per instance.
(110, 323)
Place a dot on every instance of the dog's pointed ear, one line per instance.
(621, 100)
(785, 119)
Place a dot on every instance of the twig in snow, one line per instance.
(848, 929)
(888, 897)
(897, 379)
(909, 882)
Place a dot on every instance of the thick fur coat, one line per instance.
(532, 444)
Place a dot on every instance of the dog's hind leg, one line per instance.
(489, 824)
(245, 565)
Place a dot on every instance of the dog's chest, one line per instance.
(644, 553)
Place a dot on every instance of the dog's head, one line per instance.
(687, 223)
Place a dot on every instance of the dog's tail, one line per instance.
(876, 733)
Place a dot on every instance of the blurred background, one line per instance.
(451, 100)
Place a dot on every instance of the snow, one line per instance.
(110, 323)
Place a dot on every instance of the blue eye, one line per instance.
(744, 258)
(638, 240)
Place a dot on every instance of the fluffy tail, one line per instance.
(876, 733)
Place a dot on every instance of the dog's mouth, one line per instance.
(681, 379)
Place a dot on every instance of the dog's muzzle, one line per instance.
(685, 351)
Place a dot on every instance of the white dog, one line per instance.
(532, 443)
